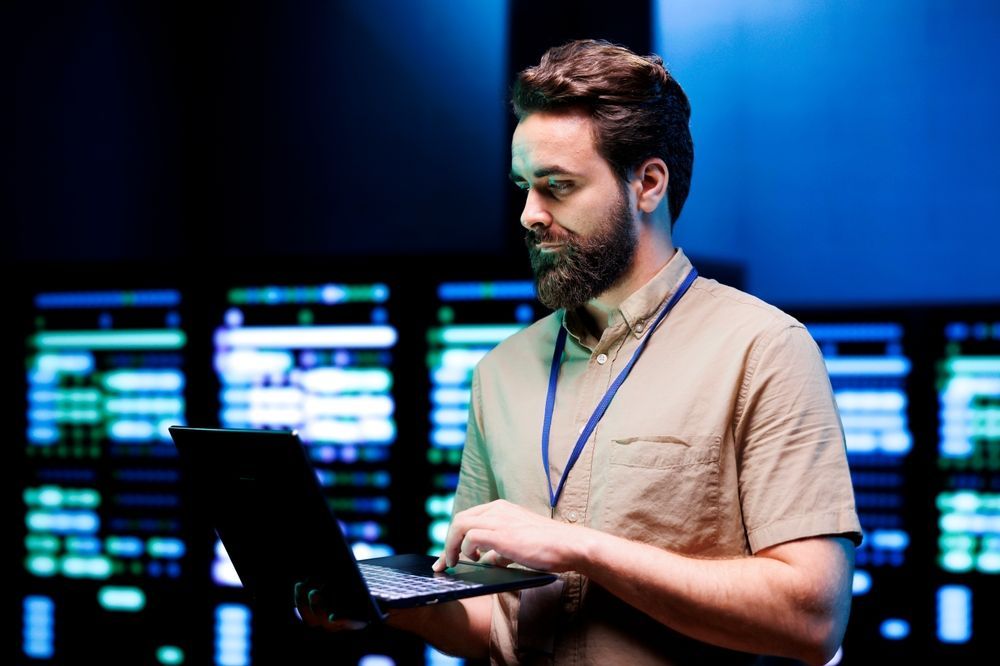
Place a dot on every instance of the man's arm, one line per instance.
(460, 628)
(792, 599)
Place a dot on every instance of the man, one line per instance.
(670, 446)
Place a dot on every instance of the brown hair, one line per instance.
(638, 109)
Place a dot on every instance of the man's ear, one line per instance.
(650, 181)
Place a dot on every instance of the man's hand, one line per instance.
(501, 532)
(310, 606)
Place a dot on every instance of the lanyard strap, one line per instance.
(550, 399)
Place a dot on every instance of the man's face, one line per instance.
(581, 231)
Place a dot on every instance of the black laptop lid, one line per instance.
(261, 494)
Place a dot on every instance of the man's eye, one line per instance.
(560, 186)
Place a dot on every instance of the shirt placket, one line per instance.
(572, 507)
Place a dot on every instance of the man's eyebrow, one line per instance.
(555, 169)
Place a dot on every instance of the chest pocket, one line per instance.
(664, 491)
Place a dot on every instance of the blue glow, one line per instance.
(478, 334)
(448, 437)
(85, 545)
(368, 431)
(884, 400)
(358, 405)
(43, 434)
(343, 380)
(879, 422)
(165, 548)
(43, 415)
(434, 658)
(376, 660)
(132, 431)
(115, 598)
(152, 406)
(868, 366)
(726, 52)
(73, 363)
(232, 635)
(890, 539)
(450, 376)
(855, 332)
(86, 567)
(478, 291)
(63, 522)
(148, 475)
(111, 340)
(862, 583)
(462, 358)
(313, 337)
(895, 629)
(332, 294)
(244, 366)
(364, 551)
(978, 366)
(443, 416)
(145, 380)
(954, 614)
(108, 299)
(42, 395)
(38, 637)
(124, 546)
(147, 499)
(957, 332)
(234, 317)
(954, 447)
(170, 654)
(450, 396)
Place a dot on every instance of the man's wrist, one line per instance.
(584, 549)
(409, 619)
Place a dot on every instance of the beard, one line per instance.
(585, 266)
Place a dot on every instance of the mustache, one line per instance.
(533, 237)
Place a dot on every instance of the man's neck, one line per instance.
(651, 256)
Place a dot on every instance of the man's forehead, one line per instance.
(544, 140)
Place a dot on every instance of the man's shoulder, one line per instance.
(737, 307)
(534, 340)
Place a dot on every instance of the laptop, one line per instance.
(262, 495)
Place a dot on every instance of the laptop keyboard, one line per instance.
(391, 584)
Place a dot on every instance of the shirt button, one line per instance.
(571, 516)
(602, 358)
(638, 327)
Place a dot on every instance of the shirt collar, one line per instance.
(642, 305)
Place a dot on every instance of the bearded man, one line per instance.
(667, 444)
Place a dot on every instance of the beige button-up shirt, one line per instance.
(723, 440)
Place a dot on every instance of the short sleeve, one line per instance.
(476, 484)
(794, 481)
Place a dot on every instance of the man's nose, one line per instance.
(535, 212)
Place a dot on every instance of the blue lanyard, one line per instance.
(602, 407)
